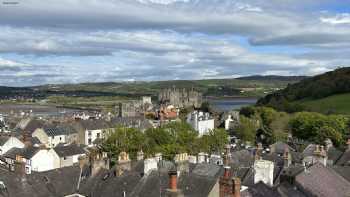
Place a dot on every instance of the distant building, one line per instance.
(180, 97)
(7, 142)
(201, 122)
(129, 109)
(52, 136)
(69, 154)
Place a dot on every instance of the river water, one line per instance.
(229, 104)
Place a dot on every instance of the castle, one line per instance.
(180, 97)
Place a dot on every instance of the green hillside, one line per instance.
(339, 104)
(318, 93)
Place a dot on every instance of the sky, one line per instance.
(74, 41)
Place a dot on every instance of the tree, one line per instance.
(248, 111)
(317, 127)
(124, 139)
(247, 129)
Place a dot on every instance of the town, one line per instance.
(174, 98)
(157, 148)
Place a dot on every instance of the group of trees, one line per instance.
(169, 140)
(318, 127)
(275, 126)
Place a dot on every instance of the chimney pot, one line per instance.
(173, 180)
(227, 173)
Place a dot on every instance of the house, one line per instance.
(29, 125)
(201, 122)
(8, 142)
(69, 153)
(90, 131)
(51, 136)
(34, 159)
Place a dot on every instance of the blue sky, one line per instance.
(73, 41)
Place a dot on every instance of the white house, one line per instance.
(90, 131)
(52, 136)
(8, 142)
(68, 154)
(35, 159)
(201, 122)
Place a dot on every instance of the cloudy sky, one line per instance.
(72, 41)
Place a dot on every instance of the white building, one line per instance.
(8, 142)
(201, 122)
(263, 170)
(69, 154)
(35, 159)
(52, 136)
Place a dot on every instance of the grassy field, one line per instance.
(339, 104)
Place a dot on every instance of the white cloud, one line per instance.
(343, 18)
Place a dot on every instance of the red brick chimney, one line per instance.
(236, 187)
(173, 180)
(173, 191)
(225, 183)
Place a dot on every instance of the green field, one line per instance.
(339, 104)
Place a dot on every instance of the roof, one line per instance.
(30, 125)
(321, 181)
(69, 150)
(286, 189)
(59, 130)
(260, 190)
(94, 124)
(344, 171)
(279, 147)
(3, 140)
(54, 183)
(344, 159)
(334, 154)
(27, 153)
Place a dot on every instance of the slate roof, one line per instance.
(30, 125)
(69, 150)
(344, 160)
(260, 190)
(321, 181)
(286, 189)
(279, 147)
(94, 124)
(3, 140)
(343, 171)
(195, 183)
(54, 183)
(59, 130)
(27, 153)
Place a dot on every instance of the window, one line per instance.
(64, 158)
(98, 135)
(60, 138)
(89, 141)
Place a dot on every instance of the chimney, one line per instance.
(227, 172)
(82, 161)
(225, 183)
(140, 155)
(286, 158)
(227, 155)
(173, 180)
(236, 187)
(258, 151)
(173, 191)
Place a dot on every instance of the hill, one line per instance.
(211, 87)
(338, 103)
(310, 91)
